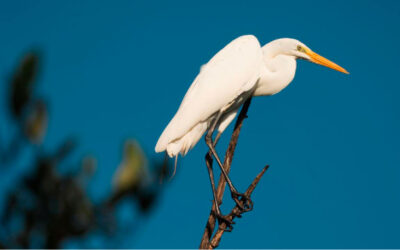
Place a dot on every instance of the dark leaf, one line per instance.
(22, 84)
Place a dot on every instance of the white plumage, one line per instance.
(242, 68)
(231, 72)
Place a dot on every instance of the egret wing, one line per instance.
(232, 71)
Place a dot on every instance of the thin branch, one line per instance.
(209, 242)
(205, 241)
(236, 211)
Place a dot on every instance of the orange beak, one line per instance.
(315, 58)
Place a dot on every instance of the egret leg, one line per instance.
(243, 201)
(221, 218)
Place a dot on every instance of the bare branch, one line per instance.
(236, 211)
(205, 241)
(209, 242)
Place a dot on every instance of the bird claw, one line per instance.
(224, 220)
(243, 201)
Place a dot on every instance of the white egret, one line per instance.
(241, 69)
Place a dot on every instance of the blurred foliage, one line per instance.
(45, 207)
(22, 84)
(35, 124)
(133, 170)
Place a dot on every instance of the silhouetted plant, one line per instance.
(46, 207)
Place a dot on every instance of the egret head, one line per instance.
(293, 47)
(300, 50)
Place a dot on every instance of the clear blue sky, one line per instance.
(117, 69)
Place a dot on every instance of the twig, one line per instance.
(236, 211)
(207, 241)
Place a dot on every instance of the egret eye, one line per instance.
(299, 48)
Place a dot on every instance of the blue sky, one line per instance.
(118, 69)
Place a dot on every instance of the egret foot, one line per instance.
(242, 201)
(222, 219)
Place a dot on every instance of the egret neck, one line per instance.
(278, 69)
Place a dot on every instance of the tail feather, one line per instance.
(185, 143)
(173, 173)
